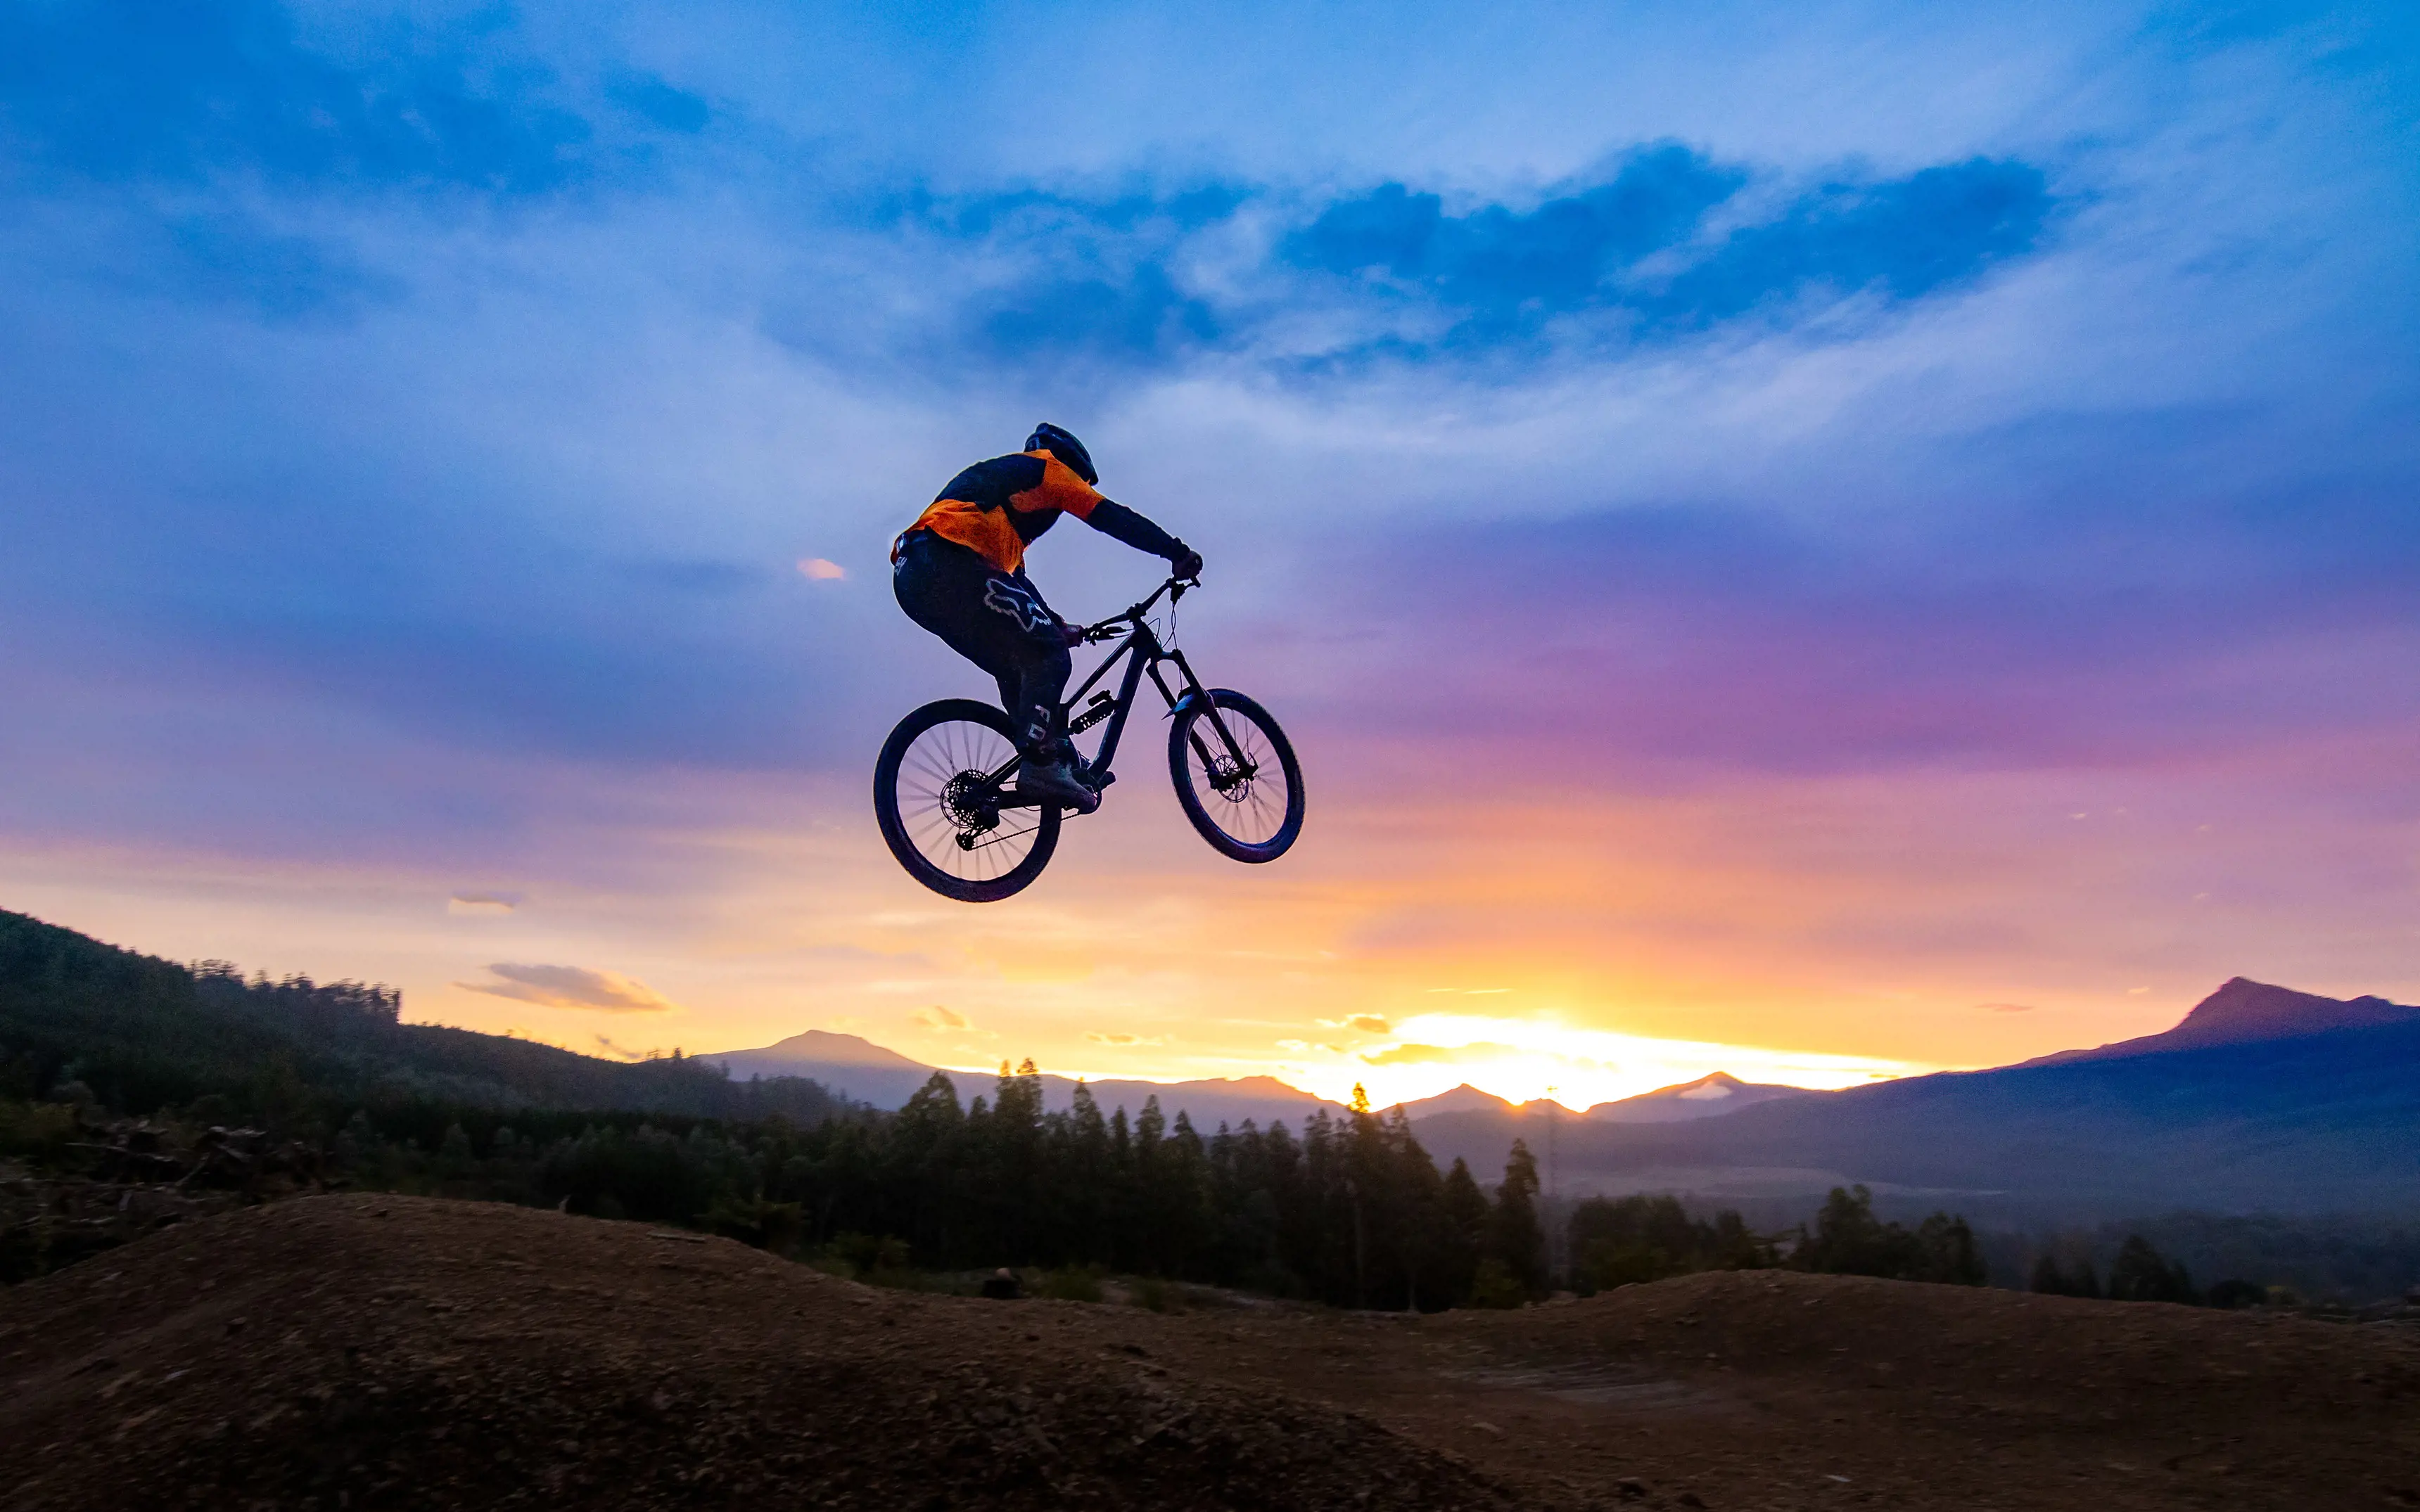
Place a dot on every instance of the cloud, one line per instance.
(1504, 263)
(1365, 1023)
(940, 1020)
(1097, 1037)
(1423, 1055)
(2007, 1007)
(818, 569)
(1902, 240)
(476, 903)
(572, 987)
(117, 92)
(1665, 241)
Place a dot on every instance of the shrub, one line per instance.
(1070, 1282)
(1496, 1285)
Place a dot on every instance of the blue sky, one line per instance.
(1880, 411)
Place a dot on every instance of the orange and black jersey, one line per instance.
(997, 508)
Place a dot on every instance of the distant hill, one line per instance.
(1705, 1098)
(2308, 1122)
(1463, 1099)
(142, 1032)
(2246, 1012)
(867, 1072)
(852, 1067)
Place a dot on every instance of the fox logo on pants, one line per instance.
(1004, 597)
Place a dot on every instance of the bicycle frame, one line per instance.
(1142, 653)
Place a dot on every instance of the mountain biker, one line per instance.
(959, 572)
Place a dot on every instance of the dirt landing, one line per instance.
(373, 1352)
(1770, 1390)
(353, 1352)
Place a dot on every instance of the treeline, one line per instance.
(1622, 1241)
(1351, 1210)
(2140, 1274)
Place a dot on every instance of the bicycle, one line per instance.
(943, 795)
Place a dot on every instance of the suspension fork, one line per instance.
(1194, 688)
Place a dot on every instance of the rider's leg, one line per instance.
(999, 623)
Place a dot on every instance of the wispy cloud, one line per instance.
(1121, 1040)
(1664, 244)
(572, 987)
(940, 1020)
(1425, 1054)
(475, 904)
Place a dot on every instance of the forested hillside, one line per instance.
(142, 1033)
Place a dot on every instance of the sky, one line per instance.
(1821, 542)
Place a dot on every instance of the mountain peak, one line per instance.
(2248, 1010)
(1715, 1093)
(2244, 1011)
(1463, 1099)
(822, 1047)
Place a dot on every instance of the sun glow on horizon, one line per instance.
(1522, 1059)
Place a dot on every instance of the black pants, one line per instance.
(995, 620)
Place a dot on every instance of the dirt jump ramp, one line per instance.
(352, 1351)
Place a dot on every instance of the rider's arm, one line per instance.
(1119, 523)
(1061, 489)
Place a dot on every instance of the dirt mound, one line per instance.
(363, 1353)
(1776, 1390)
(372, 1351)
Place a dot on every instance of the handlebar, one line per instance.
(1110, 629)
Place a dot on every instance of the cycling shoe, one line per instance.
(1054, 781)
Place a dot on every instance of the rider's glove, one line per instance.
(1073, 635)
(1187, 567)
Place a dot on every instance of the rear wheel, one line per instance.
(955, 830)
(1242, 788)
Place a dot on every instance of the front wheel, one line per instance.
(1237, 777)
(950, 821)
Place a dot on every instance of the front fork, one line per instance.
(1194, 689)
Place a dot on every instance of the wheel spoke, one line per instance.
(937, 768)
(1252, 807)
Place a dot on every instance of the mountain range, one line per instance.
(867, 1072)
(2262, 1100)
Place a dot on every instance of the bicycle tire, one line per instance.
(1244, 809)
(899, 830)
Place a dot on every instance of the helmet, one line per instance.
(1050, 438)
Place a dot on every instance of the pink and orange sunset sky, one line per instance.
(1816, 544)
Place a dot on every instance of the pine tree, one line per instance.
(1465, 1232)
(2140, 1274)
(1517, 1243)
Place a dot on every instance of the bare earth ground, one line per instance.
(373, 1351)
